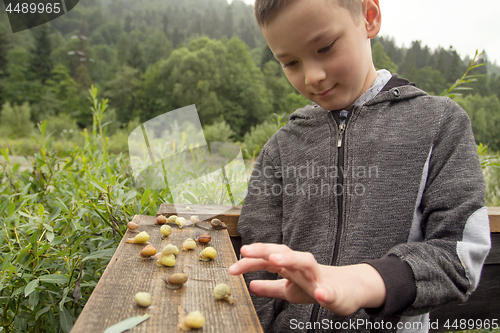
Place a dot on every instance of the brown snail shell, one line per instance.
(132, 225)
(218, 224)
(148, 251)
(205, 238)
(160, 219)
(176, 281)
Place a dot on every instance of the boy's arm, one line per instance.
(260, 221)
(447, 262)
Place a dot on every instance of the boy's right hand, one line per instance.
(342, 290)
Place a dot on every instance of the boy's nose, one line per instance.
(314, 75)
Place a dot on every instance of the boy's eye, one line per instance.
(291, 63)
(326, 48)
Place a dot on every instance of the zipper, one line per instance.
(342, 124)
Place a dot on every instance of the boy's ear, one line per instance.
(372, 16)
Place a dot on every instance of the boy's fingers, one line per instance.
(246, 265)
(280, 289)
(303, 262)
(263, 250)
(269, 288)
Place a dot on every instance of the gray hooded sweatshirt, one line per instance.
(397, 184)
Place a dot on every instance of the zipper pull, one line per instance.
(341, 133)
(343, 118)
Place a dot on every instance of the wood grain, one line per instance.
(494, 215)
(127, 273)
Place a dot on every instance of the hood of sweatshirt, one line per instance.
(396, 89)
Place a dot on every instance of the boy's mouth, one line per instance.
(326, 93)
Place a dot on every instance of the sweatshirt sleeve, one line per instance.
(447, 259)
(260, 221)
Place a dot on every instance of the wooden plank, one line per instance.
(482, 304)
(227, 214)
(494, 215)
(127, 273)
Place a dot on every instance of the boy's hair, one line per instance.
(264, 10)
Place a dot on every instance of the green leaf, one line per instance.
(65, 320)
(98, 186)
(49, 235)
(127, 324)
(42, 311)
(33, 300)
(41, 210)
(55, 213)
(12, 208)
(63, 300)
(54, 278)
(31, 287)
(145, 197)
(101, 254)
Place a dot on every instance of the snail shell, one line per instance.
(218, 224)
(160, 219)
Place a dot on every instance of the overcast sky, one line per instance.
(466, 25)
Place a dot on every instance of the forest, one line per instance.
(151, 58)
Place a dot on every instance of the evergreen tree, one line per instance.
(135, 59)
(382, 60)
(40, 63)
(228, 28)
(4, 48)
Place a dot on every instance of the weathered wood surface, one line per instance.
(494, 215)
(127, 273)
(230, 214)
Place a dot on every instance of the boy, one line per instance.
(367, 208)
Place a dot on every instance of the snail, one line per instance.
(140, 238)
(176, 281)
(205, 238)
(188, 209)
(181, 222)
(195, 219)
(132, 225)
(166, 260)
(143, 299)
(218, 224)
(207, 254)
(148, 251)
(188, 244)
(223, 292)
(170, 249)
(192, 320)
(160, 219)
(166, 230)
(171, 219)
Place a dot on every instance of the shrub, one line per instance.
(15, 121)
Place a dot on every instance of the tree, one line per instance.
(4, 48)
(228, 28)
(484, 113)
(135, 57)
(120, 91)
(382, 60)
(40, 63)
(157, 47)
(220, 78)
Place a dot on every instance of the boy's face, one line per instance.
(324, 51)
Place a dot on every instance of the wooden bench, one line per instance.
(112, 300)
